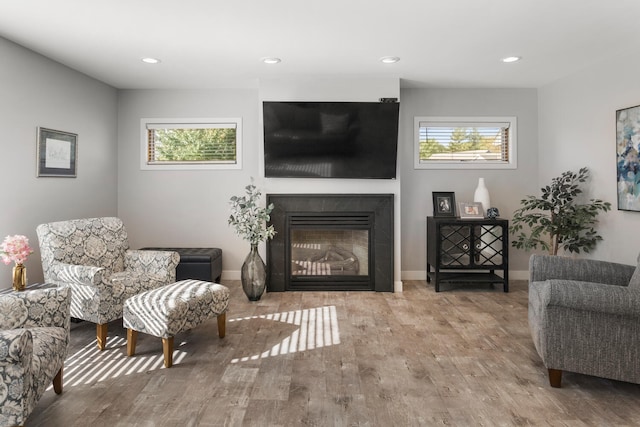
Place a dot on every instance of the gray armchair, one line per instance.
(34, 340)
(92, 256)
(584, 317)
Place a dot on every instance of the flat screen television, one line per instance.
(330, 139)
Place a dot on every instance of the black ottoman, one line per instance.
(197, 263)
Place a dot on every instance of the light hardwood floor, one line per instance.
(461, 357)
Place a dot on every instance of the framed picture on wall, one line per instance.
(57, 153)
(627, 163)
(444, 203)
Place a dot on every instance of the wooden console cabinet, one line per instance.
(467, 251)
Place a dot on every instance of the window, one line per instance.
(465, 143)
(191, 144)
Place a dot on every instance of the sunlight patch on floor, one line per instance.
(90, 365)
(318, 328)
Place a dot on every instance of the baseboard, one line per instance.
(230, 275)
(397, 285)
(422, 275)
(413, 275)
(519, 275)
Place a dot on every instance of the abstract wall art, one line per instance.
(627, 161)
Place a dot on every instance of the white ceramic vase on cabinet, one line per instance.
(481, 195)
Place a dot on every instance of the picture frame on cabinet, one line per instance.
(444, 203)
(470, 210)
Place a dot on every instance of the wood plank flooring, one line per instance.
(461, 357)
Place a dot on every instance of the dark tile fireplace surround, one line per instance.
(366, 263)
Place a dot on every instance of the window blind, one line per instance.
(464, 141)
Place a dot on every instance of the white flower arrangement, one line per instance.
(249, 218)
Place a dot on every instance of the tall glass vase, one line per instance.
(19, 277)
(253, 275)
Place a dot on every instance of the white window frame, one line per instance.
(467, 122)
(186, 123)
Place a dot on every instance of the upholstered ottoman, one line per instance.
(197, 263)
(163, 312)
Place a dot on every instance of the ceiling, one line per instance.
(213, 43)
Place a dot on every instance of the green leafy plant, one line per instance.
(249, 218)
(556, 220)
(195, 144)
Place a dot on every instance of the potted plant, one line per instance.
(557, 220)
(250, 222)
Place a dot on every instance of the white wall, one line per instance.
(36, 91)
(564, 125)
(506, 187)
(337, 89)
(190, 208)
(577, 128)
(184, 208)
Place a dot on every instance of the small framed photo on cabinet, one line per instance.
(471, 210)
(444, 203)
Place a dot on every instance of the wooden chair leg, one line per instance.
(132, 338)
(57, 382)
(555, 378)
(101, 335)
(167, 349)
(222, 321)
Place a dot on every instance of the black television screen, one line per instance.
(330, 139)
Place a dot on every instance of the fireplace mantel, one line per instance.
(378, 207)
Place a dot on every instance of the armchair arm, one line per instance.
(16, 348)
(593, 297)
(159, 264)
(16, 352)
(62, 273)
(48, 307)
(545, 267)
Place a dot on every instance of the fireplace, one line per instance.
(331, 242)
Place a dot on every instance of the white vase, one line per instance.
(481, 195)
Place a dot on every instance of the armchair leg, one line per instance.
(222, 324)
(167, 350)
(57, 382)
(101, 335)
(132, 338)
(555, 378)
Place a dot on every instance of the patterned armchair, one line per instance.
(92, 256)
(584, 317)
(34, 339)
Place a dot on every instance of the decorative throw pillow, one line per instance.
(635, 279)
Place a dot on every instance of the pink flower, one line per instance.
(15, 249)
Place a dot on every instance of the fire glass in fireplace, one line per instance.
(329, 252)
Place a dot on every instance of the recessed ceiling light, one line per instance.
(271, 60)
(389, 59)
(511, 59)
(150, 60)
